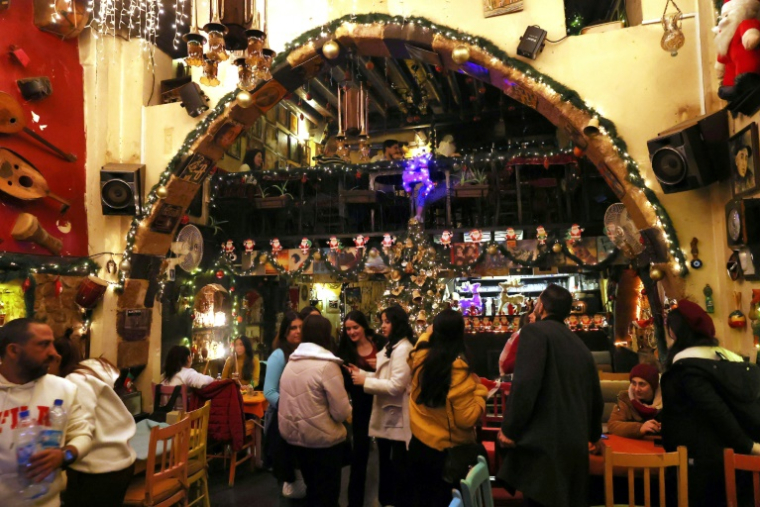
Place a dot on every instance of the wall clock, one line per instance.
(743, 222)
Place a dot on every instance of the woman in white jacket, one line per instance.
(102, 476)
(389, 423)
(313, 405)
(177, 369)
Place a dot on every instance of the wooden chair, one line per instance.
(165, 480)
(646, 462)
(734, 462)
(250, 444)
(476, 487)
(197, 468)
(456, 500)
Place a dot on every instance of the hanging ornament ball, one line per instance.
(192, 316)
(492, 249)
(301, 117)
(125, 265)
(556, 248)
(438, 68)
(244, 99)
(656, 274)
(460, 54)
(308, 96)
(578, 152)
(373, 253)
(431, 251)
(185, 220)
(162, 192)
(316, 255)
(220, 274)
(239, 319)
(482, 90)
(546, 163)
(369, 65)
(331, 50)
(410, 119)
(232, 289)
(26, 285)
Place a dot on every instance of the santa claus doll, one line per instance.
(737, 39)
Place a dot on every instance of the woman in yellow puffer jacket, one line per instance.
(446, 403)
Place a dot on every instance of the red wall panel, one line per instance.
(63, 115)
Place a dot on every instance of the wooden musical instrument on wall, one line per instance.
(20, 179)
(12, 122)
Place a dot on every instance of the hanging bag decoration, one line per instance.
(460, 458)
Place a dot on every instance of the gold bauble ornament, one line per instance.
(162, 192)
(316, 255)
(331, 50)
(460, 54)
(556, 248)
(492, 249)
(373, 253)
(125, 265)
(395, 274)
(244, 99)
(656, 274)
(431, 250)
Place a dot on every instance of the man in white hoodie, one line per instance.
(26, 351)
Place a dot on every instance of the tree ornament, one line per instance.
(125, 266)
(737, 319)
(244, 99)
(373, 253)
(26, 285)
(557, 248)
(360, 242)
(58, 287)
(239, 319)
(220, 274)
(574, 233)
(248, 246)
(184, 220)
(446, 239)
(431, 251)
(546, 162)
(162, 192)
(492, 249)
(482, 90)
(388, 241)
(460, 54)
(578, 152)
(308, 96)
(656, 274)
(438, 68)
(331, 50)
(369, 65)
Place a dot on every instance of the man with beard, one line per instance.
(26, 351)
(554, 410)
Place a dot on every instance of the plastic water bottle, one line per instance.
(218, 376)
(52, 436)
(26, 446)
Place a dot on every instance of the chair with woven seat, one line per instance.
(646, 463)
(165, 480)
(476, 487)
(734, 462)
(197, 467)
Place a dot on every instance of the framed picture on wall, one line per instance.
(493, 8)
(293, 151)
(270, 159)
(271, 114)
(282, 143)
(333, 306)
(270, 136)
(745, 161)
(282, 116)
(293, 123)
(236, 150)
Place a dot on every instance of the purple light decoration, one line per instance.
(417, 171)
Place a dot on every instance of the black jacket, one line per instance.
(708, 406)
(554, 410)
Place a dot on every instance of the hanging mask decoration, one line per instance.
(695, 262)
(754, 316)
(111, 268)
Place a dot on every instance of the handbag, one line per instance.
(460, 458)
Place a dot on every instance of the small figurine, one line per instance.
(511, 238)
(229, 250)
(360, 241)
(709, 304)
(276, 246)
(446, 239)
(249, 245)
(388, 241)
(695, 262)
(476, 236)
(575, 233)
(333, 243)
(541, 235)
(305, 246)
(586, 322)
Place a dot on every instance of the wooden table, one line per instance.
(625, 445)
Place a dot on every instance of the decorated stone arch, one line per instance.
(376, 35)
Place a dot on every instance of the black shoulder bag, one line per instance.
(460, 458)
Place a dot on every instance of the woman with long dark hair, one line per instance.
(103, 475)
(276, 449)
(177, 370)
(247, 366)
(445, 404)
(389, 421)
(359, 346)
(710, 402)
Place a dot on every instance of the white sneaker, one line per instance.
(294, 490)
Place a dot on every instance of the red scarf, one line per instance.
(645, 411)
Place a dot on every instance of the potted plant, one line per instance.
(278, 201)
(474, 183)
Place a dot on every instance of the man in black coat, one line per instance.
(554, 410)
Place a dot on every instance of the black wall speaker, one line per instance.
(691, 155)
(121, 188)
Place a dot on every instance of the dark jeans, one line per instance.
(393, 488)
(362, 409)
(321, 473)
(426, 471)
(96, 490)
(277, 451)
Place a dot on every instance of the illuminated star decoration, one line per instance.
(417, 171)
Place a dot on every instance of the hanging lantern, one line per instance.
(210, 72)
(352, 111)
(246, 79)
(364, 149)
(343, 151)
(216, 32)
(673, 38)
(195, 42)
(263, 71)
(254, 55)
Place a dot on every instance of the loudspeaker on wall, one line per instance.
(121, 189)
(691, 155)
